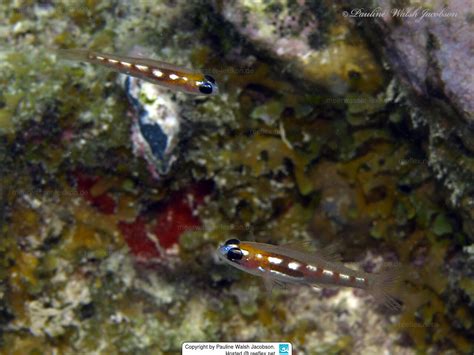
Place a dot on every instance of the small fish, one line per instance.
(288, 264)
(154, 71)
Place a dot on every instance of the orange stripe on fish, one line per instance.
(287, 264)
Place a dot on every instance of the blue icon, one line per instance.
(284, 349)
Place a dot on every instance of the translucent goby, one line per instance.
(160, 73)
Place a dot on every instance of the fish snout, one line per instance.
(223, 250)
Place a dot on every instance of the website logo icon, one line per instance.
(284, 349)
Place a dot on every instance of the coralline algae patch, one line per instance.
(174, 217)
(150, 234)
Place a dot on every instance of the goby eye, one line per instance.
(232, 241)
(234, 254)
(205, 88)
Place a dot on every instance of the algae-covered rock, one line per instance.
(311, 40)
(429, 47)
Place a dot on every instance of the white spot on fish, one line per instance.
(100, 58)
(173, 76)
(141, 67)
(245, 252)
(259, 256)
(294, 265)
(343, 276)
(328, 272)
(311, 268)
(274, 260)
(360, 279)
(128, 65)
(157, 73)
(113, 61)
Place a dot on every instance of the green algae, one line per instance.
(268, 111)
(442, 225)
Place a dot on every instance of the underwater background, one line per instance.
(335, 121)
